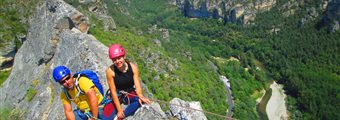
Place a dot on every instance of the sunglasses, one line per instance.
(67, 78)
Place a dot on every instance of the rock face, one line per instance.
(149, 112)
(30, 89)
(242, 12)
(99, 8)
(182, 113)
(230, 11)
(55, 38)
(6, 63)
(331, 18)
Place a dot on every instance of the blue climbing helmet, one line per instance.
(60, 72)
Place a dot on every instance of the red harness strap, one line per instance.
(110, 107)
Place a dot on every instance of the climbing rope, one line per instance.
(161, 101)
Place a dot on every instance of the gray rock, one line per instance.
(21, 38)
(49, 43)
(310, 16)
(331, 18)
(165, 34)
(157, 42)
(149, 112)
(289, 8)
(87, 1)
(335, 27)
(93, 8)
(230, 11)
(182, 113)
(101, 12)
(152, 29)
(159, 64)
(6, 63)
(68, 17)
(8, 46)
(188, 55)
(333, 15)
(54, 39)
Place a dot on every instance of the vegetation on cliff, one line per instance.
(294, 52)
(304, 59)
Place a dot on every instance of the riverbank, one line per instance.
(276, 106)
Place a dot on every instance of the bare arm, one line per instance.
(138, 85)
(91, 94)
(136, 80)
(110, 80)
(68, 112)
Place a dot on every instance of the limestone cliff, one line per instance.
(30, 90)
(331, 17)
(229, 10)
(57, 36)
(244, 12)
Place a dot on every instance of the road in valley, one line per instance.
(229, 96)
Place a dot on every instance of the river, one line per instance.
(273, 104)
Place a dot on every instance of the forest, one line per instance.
(301, 57)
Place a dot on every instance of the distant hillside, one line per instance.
(285, 39)
(230, 11)
(295, 43)
(303, 58)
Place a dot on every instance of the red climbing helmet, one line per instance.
(116, 50)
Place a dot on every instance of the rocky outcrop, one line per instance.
(331, 18)
(8, 48)
(230, 11)
(311, 15)
(178, 111)
(55, 38)
(245, 12)
(30, 90)
(87, 1)
(99, 8)
(159, 64)
(149, 112)
(71, 19)
(6, 63)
